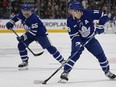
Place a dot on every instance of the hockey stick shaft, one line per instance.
(38, 54)
(45, 81)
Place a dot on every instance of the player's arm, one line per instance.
(33, 31)
(36, 27)
(74, 35)
(12, 21)
(29, 34)
(102, 18)
(72, 29)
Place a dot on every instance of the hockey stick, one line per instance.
(35, 54)
(45, 81)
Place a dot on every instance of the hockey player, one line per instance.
(81, 29)
(35, 31)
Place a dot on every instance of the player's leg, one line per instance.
(95, 48)
(69, 65)
(45, 43)
(56, 54)
(23, 54)
(71, 61)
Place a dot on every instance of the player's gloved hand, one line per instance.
(9, 25)
(99, 29)
(20, 39)
(79, 47)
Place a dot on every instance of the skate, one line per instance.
(23, 66)
(63, 78)
(110, 75)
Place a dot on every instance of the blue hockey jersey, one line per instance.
(33, 25)
(84, 27)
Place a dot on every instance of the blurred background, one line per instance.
(56, 9)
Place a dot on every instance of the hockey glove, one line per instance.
(79, 47)
(9, 25)
(99, 29)
(22, 38)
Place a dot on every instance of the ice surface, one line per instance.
(86, 72)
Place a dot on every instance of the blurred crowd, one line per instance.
(55, 9)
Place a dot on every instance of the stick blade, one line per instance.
(39, 54)
(39, 82)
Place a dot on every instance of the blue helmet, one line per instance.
(26, 7)
(75, 6)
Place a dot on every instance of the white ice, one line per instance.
(86, 72)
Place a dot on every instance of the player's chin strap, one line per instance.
(35, 54)
(45, 81)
